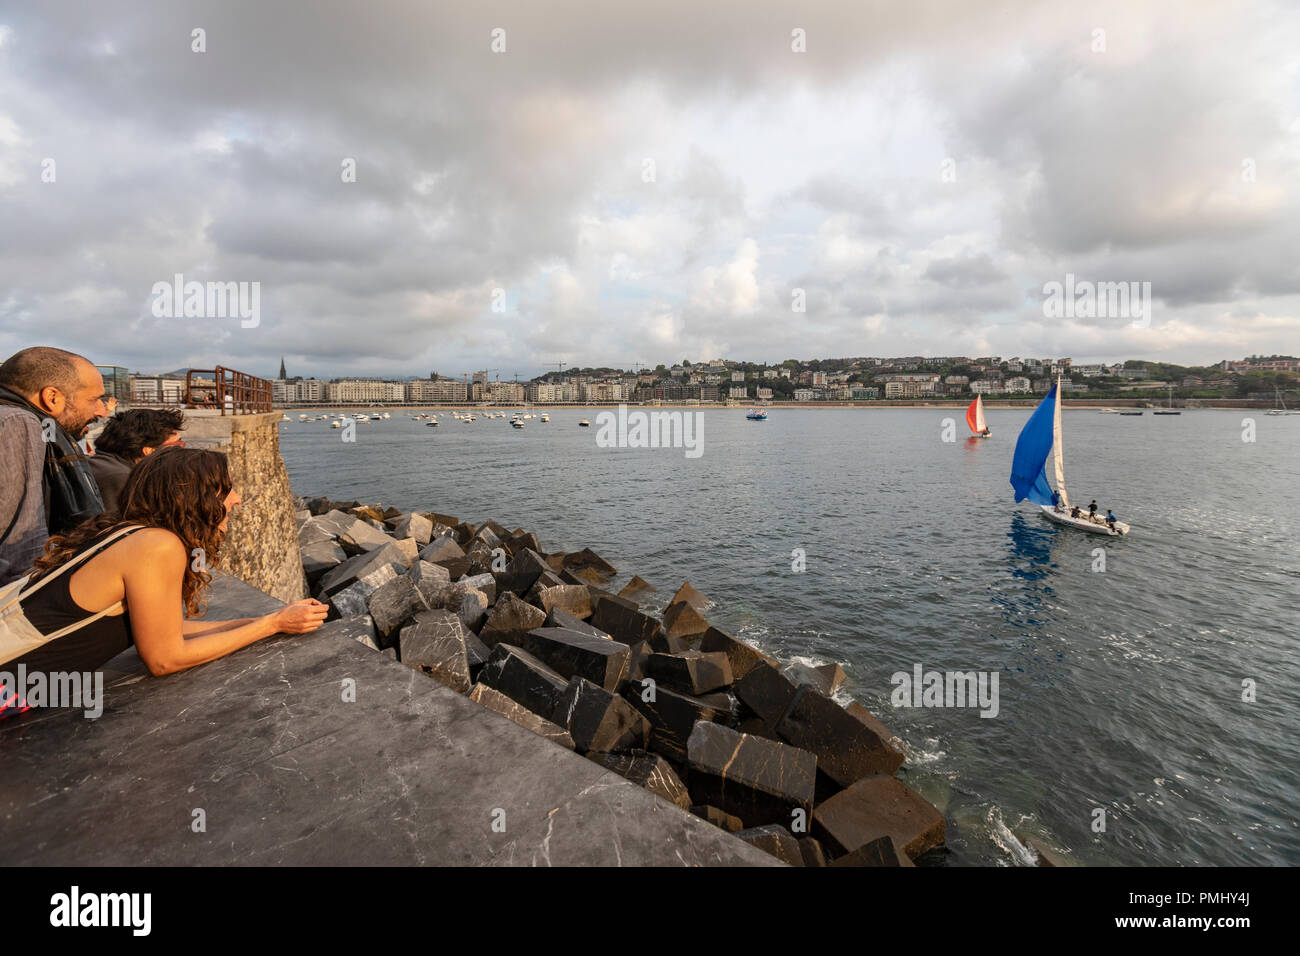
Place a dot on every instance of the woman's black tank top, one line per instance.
(85, 649)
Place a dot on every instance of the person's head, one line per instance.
(62, 384)
(140, 432)
(187, 491)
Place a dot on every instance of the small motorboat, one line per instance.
(757, 415)
(1131, 413)
(545, 418)
(336, 424)
(517, 423)
(584, 424)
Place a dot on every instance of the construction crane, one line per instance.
(559, 366)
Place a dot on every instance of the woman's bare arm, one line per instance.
(153, 597)
(197, 627)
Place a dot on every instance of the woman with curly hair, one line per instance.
(137, 576)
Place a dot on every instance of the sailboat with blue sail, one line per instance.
(1039, 440)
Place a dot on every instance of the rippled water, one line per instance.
(1120, 690)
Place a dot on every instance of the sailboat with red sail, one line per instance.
(975, 418)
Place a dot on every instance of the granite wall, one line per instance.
(262, 540)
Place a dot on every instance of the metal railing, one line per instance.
(226, 390)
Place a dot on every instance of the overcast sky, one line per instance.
(646, 182)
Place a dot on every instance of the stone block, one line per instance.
(359, 628)
(743, 656)
(637, 588)
(510, 620)
(559, 617)
(691, 596)
(691, 671)
(825, 678)
(812, 852)
(312, 531)
(363, 537)
(435, 644)
(623, 623)
(524, 679)
(570, 653)
(410, 550)
(598, 720)
(586, 558)
(393, 605)
(874, 807)
(441, 551)
(320, 557)
(482, 582)
(672, 716)
(503, 705)
(647, 770)
(429, 579)
(569, 597)
(847, 749)
(352, 600)
(882, 851)
(760, 781)
(372, 567)
(718, 818)
(766, 692)
(682, 620)
(775, 840)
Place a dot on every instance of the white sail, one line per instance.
(980, 424)
(1057, 459)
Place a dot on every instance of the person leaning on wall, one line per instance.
(128, 437)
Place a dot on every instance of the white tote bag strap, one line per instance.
(73, 562)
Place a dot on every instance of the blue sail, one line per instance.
(1028, 474)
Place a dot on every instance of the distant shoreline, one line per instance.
(1093, 404)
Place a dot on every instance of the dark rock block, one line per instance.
(874, 807)
(636, 663)
(482, 582)
(623, 623)
(775, 840)
(320, 557)
(672, 716)
(647, 770)
(598, 720)
(882, 851)
(691, 596)
(637, 588)
(570, 653)
(682, 620)
(743, 657)
(476, 655)
(373, 567)
(435, 644)
(847, 749)
(510, 620)
(600, 594)
(559, 617)
(393, 605)
(442, 519)
(766, 692)
(584, 576)
(725, 704)
(363, 537)
(573, 598)
(528, 561)
(503, 705)
(760, 781)
(812, 852)
(691, 672)
(876, 727)
(825, 679)
(520, 542)
(718, 818)
(667, 644)
(441, 551)
(524, 679)
(351, 601)
(429, 579)
(586, 558)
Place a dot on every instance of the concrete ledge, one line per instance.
(286, 772)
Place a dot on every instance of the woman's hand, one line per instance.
(300, 617)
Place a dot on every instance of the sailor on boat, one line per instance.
(1092, 510)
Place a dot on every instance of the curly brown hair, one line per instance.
(182, 490)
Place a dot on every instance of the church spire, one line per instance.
(283, 376)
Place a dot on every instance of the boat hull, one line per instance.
(1083, 524)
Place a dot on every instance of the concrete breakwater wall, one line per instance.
(640, 685)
